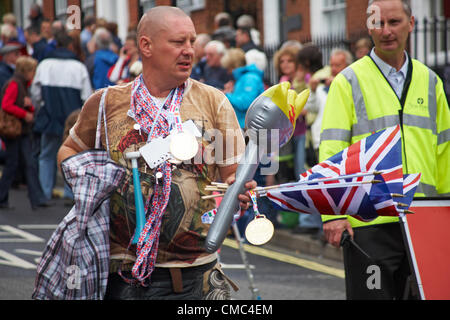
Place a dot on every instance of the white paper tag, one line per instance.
(189, 126)
(156, 152)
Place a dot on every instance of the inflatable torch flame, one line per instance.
(275, 111)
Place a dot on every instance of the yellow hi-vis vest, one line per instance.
(361, 101)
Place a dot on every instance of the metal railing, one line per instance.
(430, 41)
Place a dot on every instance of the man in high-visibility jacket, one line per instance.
(383, 89)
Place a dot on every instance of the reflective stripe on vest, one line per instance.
(444, 136)
(366, 126)
(336, 134)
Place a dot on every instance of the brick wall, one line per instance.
(74, 2)
(48, 9)
(302, 8)
(133, 11)
(204, 19)
(356, 17)
(447, 9)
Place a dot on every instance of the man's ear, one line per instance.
(145, 46)
(412, 23)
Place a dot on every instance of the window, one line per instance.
(334, 4)
(147, 5)
(88, 7)
(61, 10)
(334, 12)
(190, 5)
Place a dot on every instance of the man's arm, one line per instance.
(68, 148)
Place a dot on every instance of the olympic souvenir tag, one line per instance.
(189, 126)
(159, 150)
(156, 152)
(259, 231)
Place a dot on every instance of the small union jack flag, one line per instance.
(379, 152)
(410, 183)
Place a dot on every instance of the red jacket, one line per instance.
(9, 101)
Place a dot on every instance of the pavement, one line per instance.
(305, 244)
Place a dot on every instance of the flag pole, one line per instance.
(287, 187)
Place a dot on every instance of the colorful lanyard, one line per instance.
(255, 203)
(142, 108)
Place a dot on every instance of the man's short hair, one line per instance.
(218, 45)
(63, 40)
(406, 5)
(132, 35)
(222, 19)
(245, 21)
(89, 21)
(348, 56)
(203, 39)
(103, 38)
(8, 31)
(33, 30)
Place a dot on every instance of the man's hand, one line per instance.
(228, 175)
(313, 84)
(244, 198)
(333, 231)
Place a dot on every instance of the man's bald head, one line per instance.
(155, 19)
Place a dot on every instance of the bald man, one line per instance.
(177, 266)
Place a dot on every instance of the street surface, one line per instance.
(277, 274)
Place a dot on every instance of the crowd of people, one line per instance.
(65, 67)
(229, 59)
(47, 74)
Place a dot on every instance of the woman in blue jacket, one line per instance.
(248, 81)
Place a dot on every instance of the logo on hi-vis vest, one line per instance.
(419, 107)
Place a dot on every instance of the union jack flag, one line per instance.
(410, 183)
(380, 151)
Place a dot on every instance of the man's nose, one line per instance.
(385, 29)
(188, 49)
